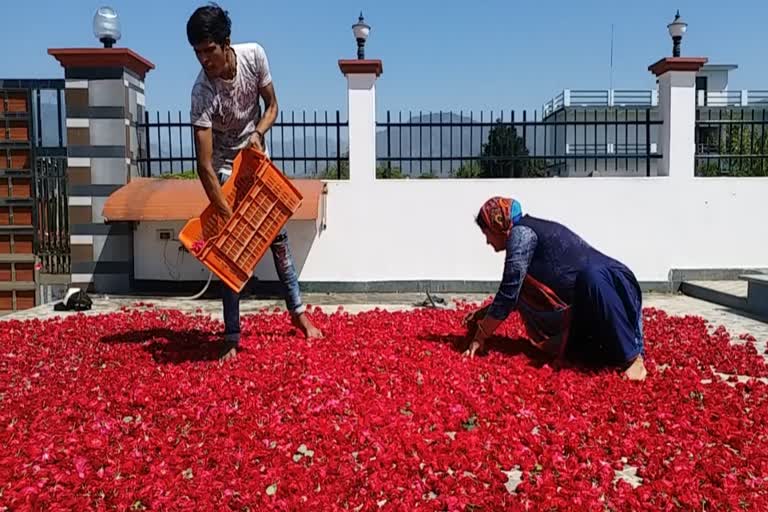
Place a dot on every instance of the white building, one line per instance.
(624, 124)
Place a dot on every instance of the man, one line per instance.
(227, 117)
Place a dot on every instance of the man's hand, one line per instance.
(256, 141)
(224, 211)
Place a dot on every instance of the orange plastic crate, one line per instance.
(262, 201)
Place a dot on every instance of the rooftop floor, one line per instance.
(735, 322)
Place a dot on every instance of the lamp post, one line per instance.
(106, 26)
(676, 30)
(361, 31)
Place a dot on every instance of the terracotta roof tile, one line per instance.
(156, 199)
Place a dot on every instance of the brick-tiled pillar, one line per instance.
(104, 102)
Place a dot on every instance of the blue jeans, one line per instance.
(286, 272)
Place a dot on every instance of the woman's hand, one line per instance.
(475, 316)
(481, 329)
(477, 345)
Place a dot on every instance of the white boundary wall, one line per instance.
(422, 230)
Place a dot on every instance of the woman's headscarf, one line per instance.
(499, 214)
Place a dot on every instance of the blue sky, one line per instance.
(437, 55)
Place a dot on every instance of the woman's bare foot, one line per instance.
(304, 324)
(636, 370)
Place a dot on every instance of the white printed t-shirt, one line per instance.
(231, 107)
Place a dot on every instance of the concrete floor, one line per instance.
(735, 288)
(736, 322)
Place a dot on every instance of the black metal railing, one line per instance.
(620, 142)
(731, 142)
(51, 214)
(46, 112)
(302, 145)
(39, 107)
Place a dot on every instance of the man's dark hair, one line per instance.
(481, 223)
(209, 23)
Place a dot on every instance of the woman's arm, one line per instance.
(520, 248)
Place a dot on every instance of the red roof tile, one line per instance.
(156, 199)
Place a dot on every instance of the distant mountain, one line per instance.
(302, 157)
(410, 148)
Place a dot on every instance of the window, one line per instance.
(701, 85)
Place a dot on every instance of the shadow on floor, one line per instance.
(172, 347)
(749, 315)
(506, 346)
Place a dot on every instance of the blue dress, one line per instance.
(603, 323)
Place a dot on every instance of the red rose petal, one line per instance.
(131, 411)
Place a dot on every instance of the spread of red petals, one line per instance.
(131, 411)
(198, 246)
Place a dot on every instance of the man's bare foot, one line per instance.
(636, 370)
(228, 351)
(304, 324)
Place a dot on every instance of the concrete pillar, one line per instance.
(677, 106)
(105, 100)
(361, 93)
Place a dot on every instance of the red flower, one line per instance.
(198, 246)
(130, 411)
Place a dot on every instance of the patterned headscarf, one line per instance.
(500, 213)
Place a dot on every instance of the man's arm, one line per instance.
(211, 185)
(270, 109)
(267, 93)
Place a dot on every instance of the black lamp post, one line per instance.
(361, 31)
(106, 26)
(676, 30)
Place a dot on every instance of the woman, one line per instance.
(577, 304)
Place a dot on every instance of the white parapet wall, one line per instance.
(424, 230)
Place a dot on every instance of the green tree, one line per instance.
(737, 150)
(468, 170)
(383, 172)
(503, 143)
(184, 175)
(332, 172)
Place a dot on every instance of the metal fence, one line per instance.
(614, 142)
(731, 142)
(303, 145)
(39, 156)
(51, 214)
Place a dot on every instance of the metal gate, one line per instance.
(34, 224)
(52, 215)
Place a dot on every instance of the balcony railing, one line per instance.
(740, 98)
(601, 98)
(649, 98)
